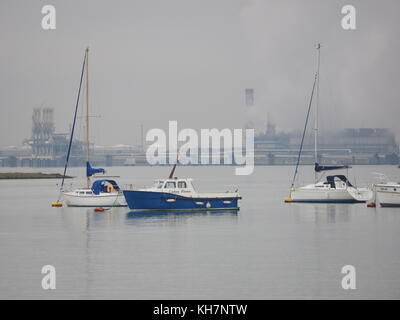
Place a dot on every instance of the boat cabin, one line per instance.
(335, 182)
(83, 192)
(174, 184)
(104, 186)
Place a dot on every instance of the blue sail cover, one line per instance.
(91, 171)
(319, 168)
(100, 185)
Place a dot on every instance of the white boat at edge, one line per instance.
(388, 194)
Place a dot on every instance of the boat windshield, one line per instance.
(159, 184)
(170, 185)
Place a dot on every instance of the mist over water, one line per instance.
(154, 61)
(268, 249)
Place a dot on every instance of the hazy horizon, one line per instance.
(190, 61)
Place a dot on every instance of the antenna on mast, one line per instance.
(171, 175)
(318, 47)
(87, 115)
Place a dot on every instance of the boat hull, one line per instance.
(101, 200)
(155, 201)
(314, 195)
(388, 198)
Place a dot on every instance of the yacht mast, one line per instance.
(318, 47)
(87, 114)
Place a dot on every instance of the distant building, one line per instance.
(47, 147)
(350, 146)
(249, 97)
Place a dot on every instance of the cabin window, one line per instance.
(182, 184)
(170, 185)
(88, 192)
(81, 193)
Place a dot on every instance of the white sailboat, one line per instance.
(102, 193)
(336, 188)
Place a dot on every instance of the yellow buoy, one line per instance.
(56, 204)
(288, 199)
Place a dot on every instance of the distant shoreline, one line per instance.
(31, 175)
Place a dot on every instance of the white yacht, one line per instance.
(102, 192)
(336, 188)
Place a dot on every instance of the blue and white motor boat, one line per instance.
(179, 194)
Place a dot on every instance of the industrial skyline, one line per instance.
(47, 147)
(191, 62)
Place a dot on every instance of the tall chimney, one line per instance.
(249, 96)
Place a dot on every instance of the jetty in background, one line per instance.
(31, 175)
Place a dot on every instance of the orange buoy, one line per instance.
(99, 209)
(371, 205)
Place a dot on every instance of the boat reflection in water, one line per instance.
(176, 219)
(323, 213)
(179, 214)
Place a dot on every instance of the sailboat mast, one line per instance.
(87, 114)
(316, 111)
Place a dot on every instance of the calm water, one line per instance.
(267, 250)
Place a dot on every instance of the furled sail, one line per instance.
(91, 171)
(319, 168)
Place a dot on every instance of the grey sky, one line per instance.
(189, 60)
